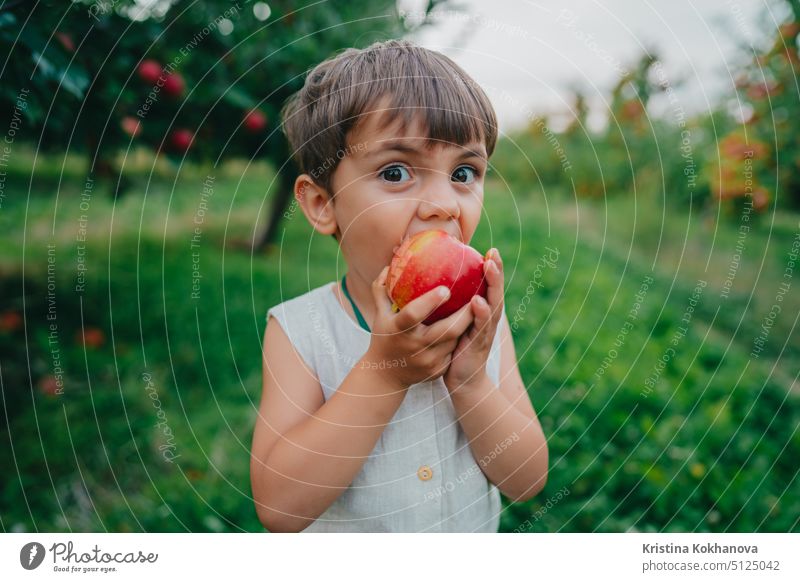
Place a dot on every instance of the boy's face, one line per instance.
(391, 185)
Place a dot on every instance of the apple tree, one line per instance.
(196, 79)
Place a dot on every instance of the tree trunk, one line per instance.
(280, 202)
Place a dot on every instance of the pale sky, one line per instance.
(527, 55)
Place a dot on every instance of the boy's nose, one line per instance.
(439, 202)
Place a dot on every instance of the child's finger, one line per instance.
(380, 294)
(496, 281)
(495, 256)
(452, 326)
(483, 315)
(415, 311)
(445, 348)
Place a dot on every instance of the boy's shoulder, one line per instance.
(304, 319)
(305, 303)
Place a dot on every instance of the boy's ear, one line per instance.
(316, 204)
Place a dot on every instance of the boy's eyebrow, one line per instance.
(404, 147)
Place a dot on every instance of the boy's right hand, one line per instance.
(425, 350)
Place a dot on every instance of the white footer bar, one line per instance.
(355, 557)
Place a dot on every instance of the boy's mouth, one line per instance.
(408, 235)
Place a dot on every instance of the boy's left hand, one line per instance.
(468, 364)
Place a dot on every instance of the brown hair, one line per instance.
(318, 118)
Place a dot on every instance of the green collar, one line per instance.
(359, 317)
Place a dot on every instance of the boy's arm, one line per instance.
(504, 416)
(306, 451)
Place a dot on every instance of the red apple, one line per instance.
(432, 258)
(760, 199)
(10, 321)
(49, 386)
(174, 85)
(131, 126)
(742, 82)
(789, 30)
(761, 90)
(181, 139)
(66, 41)
(632, 110)
(255, 121)
(91, 337)
(149, 71)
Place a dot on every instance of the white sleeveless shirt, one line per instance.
(421, 476)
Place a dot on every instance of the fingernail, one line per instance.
(444, 292)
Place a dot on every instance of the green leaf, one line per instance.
(7, 19)
(75, 81)
(239, 98)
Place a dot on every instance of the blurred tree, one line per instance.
(580, 110)
(632, 93)
(200, 79)
(768, 134)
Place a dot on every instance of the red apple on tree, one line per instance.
(255, 121)
(91, 337)
(181, 139)
(49, 385)
(174, 85)
(432, 258)
(131, 126)
(66, 41)
(149, 71)
(10, 321)
(789, 30)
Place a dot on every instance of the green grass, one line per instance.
(712, 447)
(743, 260)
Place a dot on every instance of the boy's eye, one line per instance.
(395, 174)
(464, 174)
